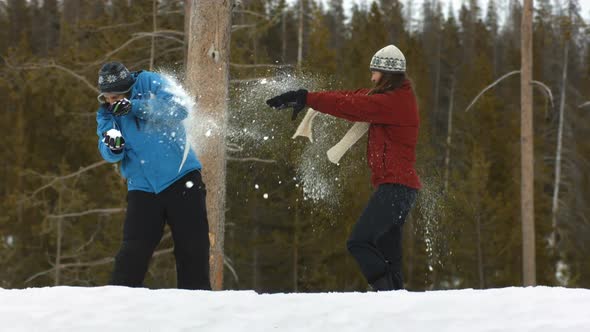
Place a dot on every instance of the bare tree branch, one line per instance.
(52, 64)
(228, 263)
(116, 26)
(238, 65)
(160, 54)
(232, 147)
(248, 80)
(248, 159)
(170, 12)
(65, 177)
(159, 34)
(491, 86)
(84, 213)
(545, 88)
(584, 104)
(245, 11)
(83, 246)
(102, 261)
(242, 26)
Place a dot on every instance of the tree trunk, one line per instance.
(479, 251)
(255, 260)
(449, 134)
(207, 78)
(187, 27)
(284, 36)
(555, 202)
(296, 229)
(300, 37)
(57, 278)
(69, 24)
(437, 76)
(527, 155)
(154, 28)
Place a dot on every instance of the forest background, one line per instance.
(289, 210)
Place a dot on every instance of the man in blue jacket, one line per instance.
(140, 125)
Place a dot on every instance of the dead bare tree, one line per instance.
(558, 151)
(527, 147)
(555, 200)
(154, 25)
(300, 36)
(207, 78)
(449, 134)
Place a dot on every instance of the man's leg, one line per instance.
(187, 217)
(144, 224)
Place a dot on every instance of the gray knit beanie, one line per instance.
(114, 77)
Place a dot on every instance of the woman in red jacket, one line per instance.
(391, 110)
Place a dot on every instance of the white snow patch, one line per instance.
(123, 309)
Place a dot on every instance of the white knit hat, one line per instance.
(389, 59)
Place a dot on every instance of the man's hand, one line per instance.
(114, 140)
(295, 99)
(120, 107)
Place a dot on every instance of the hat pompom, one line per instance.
(389, 59)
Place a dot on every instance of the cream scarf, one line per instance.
(337, 151)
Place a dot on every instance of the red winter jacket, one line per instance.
(393, 133)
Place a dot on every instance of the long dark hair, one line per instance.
(388, 82)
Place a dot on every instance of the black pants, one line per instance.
(376, 238)
(182, 207)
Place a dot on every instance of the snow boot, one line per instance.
(389, 281)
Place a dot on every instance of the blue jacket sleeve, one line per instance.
(160, 104)
(105, 121)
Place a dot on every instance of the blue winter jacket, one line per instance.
(155, 138)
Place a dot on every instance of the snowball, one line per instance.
(114, 133)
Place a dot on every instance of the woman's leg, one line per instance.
(387, 208)
(390, 245)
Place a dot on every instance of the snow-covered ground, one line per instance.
(124, 309)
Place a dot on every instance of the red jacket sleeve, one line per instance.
(396, 107)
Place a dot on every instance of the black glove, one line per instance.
(120, 107)
(295, 99)
(114, 140)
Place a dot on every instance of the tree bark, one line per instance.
(296, 230)
(555, 202)
(284, 36)
(207, 78)
(155, 27)
(527, 155)
(449, 135)
(480, 263)
(187, 27)
(69, 24)
(300, 37)
(57, 276)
